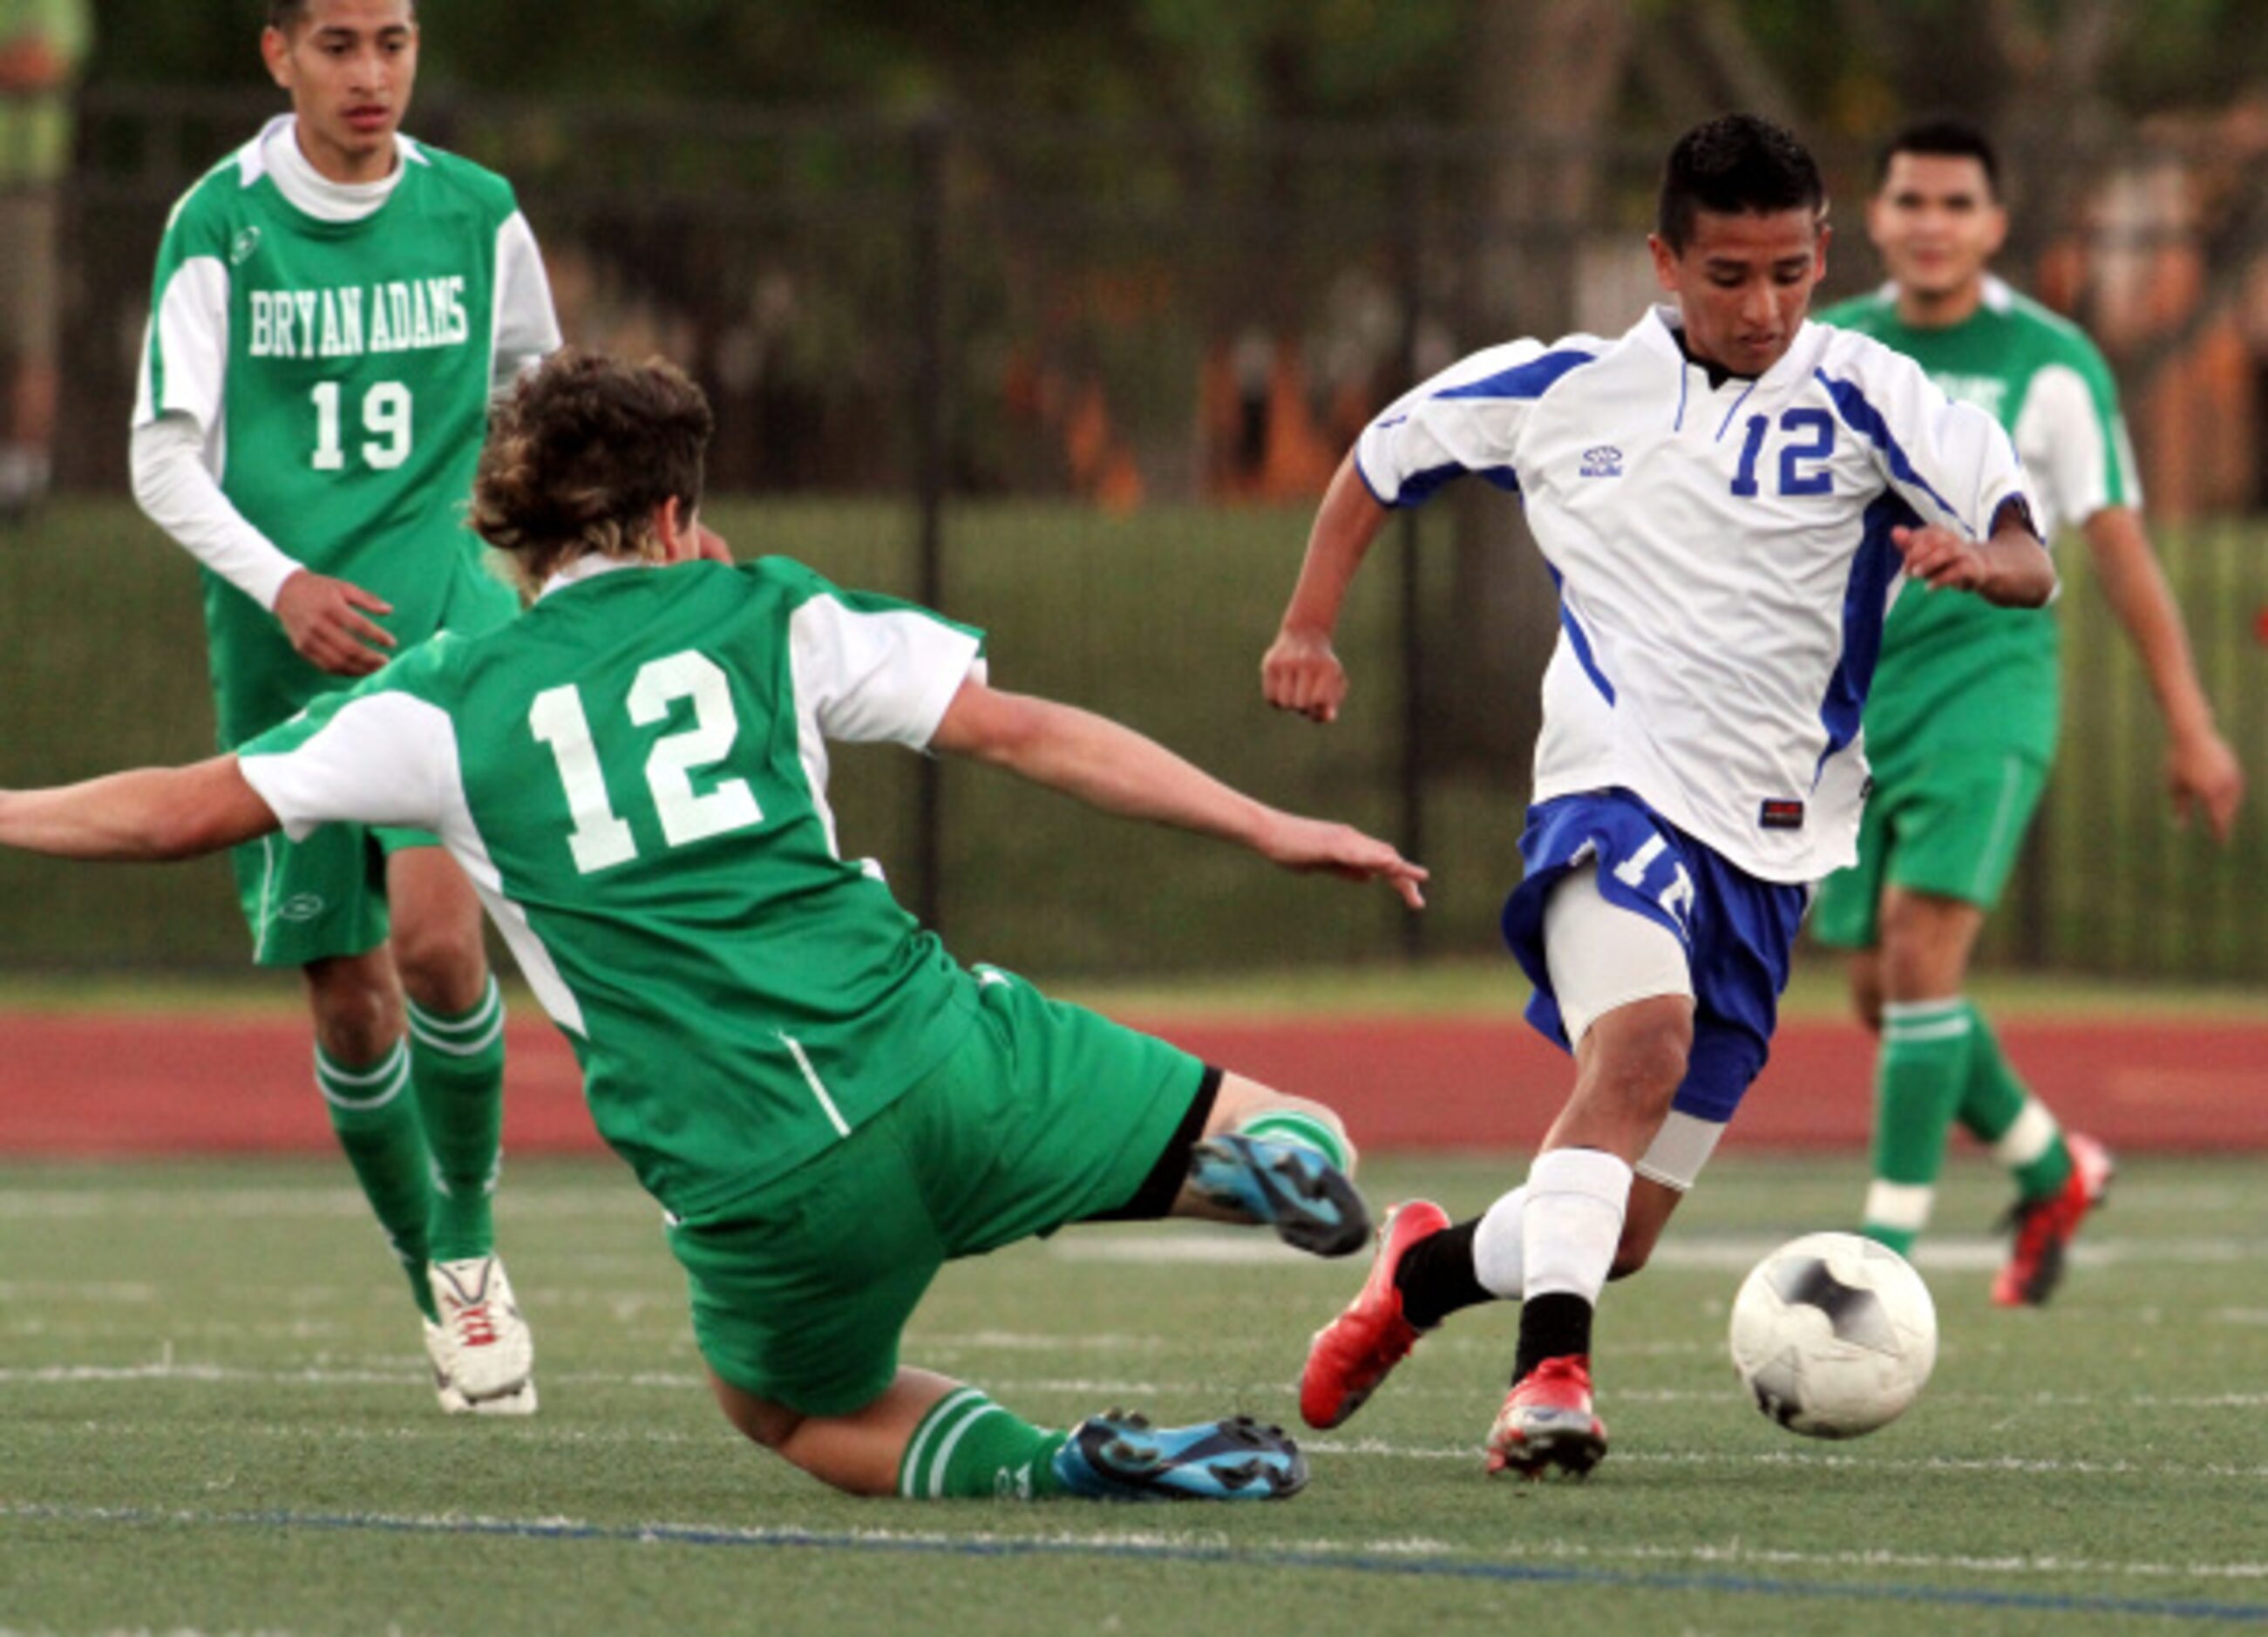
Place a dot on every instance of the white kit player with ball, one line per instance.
(1728, 497)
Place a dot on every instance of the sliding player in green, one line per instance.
(1961, 725)
(333, 306)
(827, 1107)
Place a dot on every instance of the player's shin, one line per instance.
(378, 1125)
(1919, 1078)
(457, 1065)
(1570, 1227)
(1999, 1111)
(969, 1448)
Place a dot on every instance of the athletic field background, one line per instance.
(1159, 618)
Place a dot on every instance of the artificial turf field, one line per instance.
(213, 1417)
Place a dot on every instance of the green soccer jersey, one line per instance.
(338, 353)
(1955, 668)
(633, 776)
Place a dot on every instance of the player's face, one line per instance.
(1936, 223)
(1743, 282)
(350, 66)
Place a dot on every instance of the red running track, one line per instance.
(83, 1086)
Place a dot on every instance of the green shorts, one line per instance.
(1045, 1114)
(1952, 827)
(308, 900)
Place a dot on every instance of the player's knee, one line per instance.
(357, 1016)
(1867, 992)
(1642, 1056)
(442, 968)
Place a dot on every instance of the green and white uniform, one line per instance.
(633, 774)
(332, 351)
(1961, 721)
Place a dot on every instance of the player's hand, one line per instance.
(324, 618)
(2205, 778)
(1306, 845)
(711, 547)
(1300, 673)
(1941, 559)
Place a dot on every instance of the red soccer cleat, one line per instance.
(1546, 1424)
(2044, 1226)
(1358, 1349)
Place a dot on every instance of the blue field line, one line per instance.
(1164, 1551)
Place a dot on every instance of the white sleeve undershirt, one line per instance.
(178, 491)
(526, 327)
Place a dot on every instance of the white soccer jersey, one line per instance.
(1723, 557)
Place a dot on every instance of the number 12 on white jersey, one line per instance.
(601, 837)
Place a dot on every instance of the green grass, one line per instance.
(214, 1418)
(1487, 985)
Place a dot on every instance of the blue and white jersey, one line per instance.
(1723, 557)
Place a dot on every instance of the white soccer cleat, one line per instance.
(484, 1353)
(455, 1403)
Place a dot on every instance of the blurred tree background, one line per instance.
(1844, 66)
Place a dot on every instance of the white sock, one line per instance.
(1572, 1221)
(1497, 1260)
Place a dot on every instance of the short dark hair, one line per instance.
(581, 452)
(1736, 164)
(1947, 135)
(283, 16)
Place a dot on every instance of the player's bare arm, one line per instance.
(1111, 767)
(2202, 772)
(2010, 568)
(327, 623)
(147, 815)
(1300, 672)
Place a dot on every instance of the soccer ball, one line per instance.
(1833, 1335)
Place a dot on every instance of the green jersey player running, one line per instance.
(828, 1108)
(1960, 726)
(333, 306)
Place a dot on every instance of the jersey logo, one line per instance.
(1605, 460)
(1781, 813)
(243, 246)
(300, 906)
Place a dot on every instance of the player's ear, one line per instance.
(1665, 262)
(276, 51)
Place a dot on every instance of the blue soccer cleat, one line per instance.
(1118, 1457)
(1305, 1199)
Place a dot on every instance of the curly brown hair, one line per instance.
(580, 454)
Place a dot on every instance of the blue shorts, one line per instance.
(1738, 931)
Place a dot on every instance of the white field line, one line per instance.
(1732, 1553)
(1801, 1460)
(407, 1372)
(259, 1204)
(1728, 1252)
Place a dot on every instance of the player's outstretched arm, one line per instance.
(1300, 671)
(2202, 772)
(149, 814)
(1110, 766)
(2011, 569)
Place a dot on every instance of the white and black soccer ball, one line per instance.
(1833, 1335)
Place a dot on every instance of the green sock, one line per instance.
(1304, 1130)
(1918, 1074)
(457, 1065)
(385, 1142)
(1999, 1111)
(969, 1448)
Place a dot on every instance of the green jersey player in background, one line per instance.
(827, 1105)
(1960, 726)
(334, 305)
